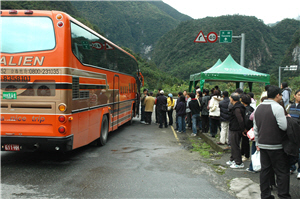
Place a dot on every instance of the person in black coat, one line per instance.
(181, 112)
(290, 146)
(224, 118)
(237, 127)
(195, 107)
(245, 147)
(161, 101)
(204, 112)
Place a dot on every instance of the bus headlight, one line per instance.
(62, 107)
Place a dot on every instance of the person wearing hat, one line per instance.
(144, 95)
(149, 104)
(270, 125)
(171, 103)
(161, 103)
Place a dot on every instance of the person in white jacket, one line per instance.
(214, 112)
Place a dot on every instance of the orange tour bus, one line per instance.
(63, 85)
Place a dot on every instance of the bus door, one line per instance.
(116, 100)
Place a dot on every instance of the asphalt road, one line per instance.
(138, 161)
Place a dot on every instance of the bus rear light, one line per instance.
(62, 107)
(62, 118)
(59, 17)
(13, 12)
(62, 129)
(60, 24)
(28, 12)
(70, 118)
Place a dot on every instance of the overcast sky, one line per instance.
(267, 10)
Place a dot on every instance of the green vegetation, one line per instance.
(134, 24)
(155, 78)
(265, 46)
(202, 147)
(207, 152)
(219, 169)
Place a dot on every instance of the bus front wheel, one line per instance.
(101, 141)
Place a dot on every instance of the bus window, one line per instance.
(126, 64)
(26, 34)
(82, 49)
(90, 49)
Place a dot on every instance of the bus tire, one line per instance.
(101, 141)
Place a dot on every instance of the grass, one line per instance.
(200, 146)
(207, 152)
(219, 169)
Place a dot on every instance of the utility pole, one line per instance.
(242, 59)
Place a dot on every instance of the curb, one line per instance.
(212, 142)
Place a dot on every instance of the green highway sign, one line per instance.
(225, 36)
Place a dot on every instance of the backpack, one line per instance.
(247, 121)
(200, 104)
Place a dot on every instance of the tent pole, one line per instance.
(250, 86)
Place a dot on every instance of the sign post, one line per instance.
(225, 36)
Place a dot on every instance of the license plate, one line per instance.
(12, 147)
(9, 95)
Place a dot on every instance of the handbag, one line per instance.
(255, 158)
(169, 108)
(250, 134)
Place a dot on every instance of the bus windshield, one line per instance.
(26, 34)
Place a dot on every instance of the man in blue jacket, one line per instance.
(269, 126)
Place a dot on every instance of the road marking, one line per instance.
(175, 135)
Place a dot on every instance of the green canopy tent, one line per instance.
(195, 78)
(230, 71)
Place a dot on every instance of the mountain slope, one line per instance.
(170, 11)
(177, 53)
(134, 24)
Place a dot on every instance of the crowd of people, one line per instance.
(275, 122)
